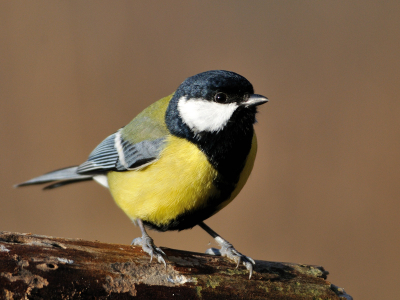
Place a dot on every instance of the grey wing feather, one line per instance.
(140, 154)
(115, 153)
(102, 158)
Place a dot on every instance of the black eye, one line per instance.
(220, 97)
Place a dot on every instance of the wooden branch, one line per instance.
(43, 267)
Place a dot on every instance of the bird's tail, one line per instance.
(62, 176)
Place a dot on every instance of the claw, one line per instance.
(148, 246)
(251, 260)
(137, 241)
(230, 252)
(161, 260)
(162, 252)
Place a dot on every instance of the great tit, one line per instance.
(180, 161)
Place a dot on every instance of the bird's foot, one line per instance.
(229, 251)
(148, 246)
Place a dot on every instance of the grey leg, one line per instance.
(147, 244)
(228, 250)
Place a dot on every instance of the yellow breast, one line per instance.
(181, 180)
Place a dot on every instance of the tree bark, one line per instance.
(44, 267)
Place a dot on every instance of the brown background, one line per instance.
(325, 187)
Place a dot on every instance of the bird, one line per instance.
(179, 161)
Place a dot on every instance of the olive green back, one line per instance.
(149, 124)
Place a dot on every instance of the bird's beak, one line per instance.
(255, 100)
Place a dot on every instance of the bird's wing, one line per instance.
(134, 146)
(115, 153)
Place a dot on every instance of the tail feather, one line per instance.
(65, 182)
(65, 175)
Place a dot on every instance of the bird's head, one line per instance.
(208, 101)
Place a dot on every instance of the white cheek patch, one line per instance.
(202, 115)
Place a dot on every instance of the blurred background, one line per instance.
(325, 187)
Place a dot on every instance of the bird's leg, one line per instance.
(228, 250)
(147, 244)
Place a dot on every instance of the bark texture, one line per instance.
(43, 267)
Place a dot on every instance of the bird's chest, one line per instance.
(181, 180)
(228, 152)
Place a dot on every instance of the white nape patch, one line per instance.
(203, 115)
(101, 179)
